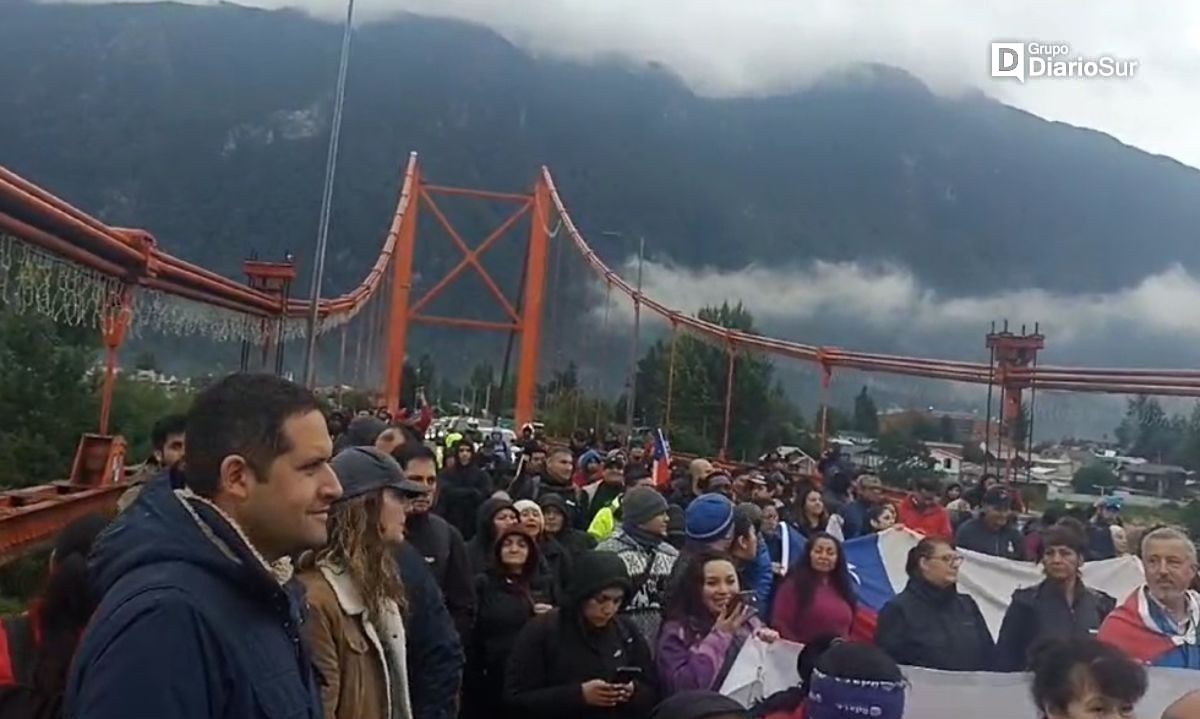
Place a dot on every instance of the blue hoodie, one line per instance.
(192, 625)
(758, 576)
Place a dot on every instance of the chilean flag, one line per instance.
(662, 460)
(1133, 626)
(876, 563)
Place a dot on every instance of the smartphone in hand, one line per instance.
(627, 675)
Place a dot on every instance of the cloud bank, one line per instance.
(739, 47)
(885, 308)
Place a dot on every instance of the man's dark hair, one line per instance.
(165, 427)
(412, 452)
(241, 414)
(927, 483)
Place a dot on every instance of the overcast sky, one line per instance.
(730, 47)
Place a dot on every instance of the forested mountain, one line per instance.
(207, 126)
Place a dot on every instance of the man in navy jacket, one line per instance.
(198, 617)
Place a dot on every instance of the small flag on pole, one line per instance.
(662, 460)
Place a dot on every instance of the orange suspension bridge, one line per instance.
(59, 261)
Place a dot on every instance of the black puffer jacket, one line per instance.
(460, 492)
(557, 652)
(1041, 612)
(927, 626)
(977, 536)
(505, 607)
(575, 541)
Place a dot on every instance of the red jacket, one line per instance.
(932, 521)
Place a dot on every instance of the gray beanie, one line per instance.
(641, 504)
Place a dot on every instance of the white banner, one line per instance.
(763, 669)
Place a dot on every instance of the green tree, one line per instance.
(902, 458)
(46, 399)
(1190, 518)
(1093, 478)
(1147, 431)
(759, 404)
(1188, 451)
(866, 414)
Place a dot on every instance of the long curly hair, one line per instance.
(357, 546)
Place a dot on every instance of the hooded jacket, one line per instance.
(193, 622)
(505, 607)
(574, 540)
(445, 555)
(479, 549)
(1041, 612)
(435, 654)
(460, 491)
(928, 626)
(558, 651)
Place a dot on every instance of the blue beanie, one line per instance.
(709, 517)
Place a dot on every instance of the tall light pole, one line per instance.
(335, 135)
(635, 340)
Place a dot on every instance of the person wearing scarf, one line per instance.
(641, 543)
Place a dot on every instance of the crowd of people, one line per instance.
(276, 561)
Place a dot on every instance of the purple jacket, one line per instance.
(684, 665)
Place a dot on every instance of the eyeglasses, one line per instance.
(953, 560)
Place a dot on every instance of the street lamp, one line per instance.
(635, 339)
(335, 135)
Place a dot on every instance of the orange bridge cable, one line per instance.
(372, 335)
(671, 374)
(357, 298)
(360, 330)
(728, 402)
(117, 242)
(603, 333)
(15, 180)
(382, 359)
(58, 246)
(341, 370)
(101, 239)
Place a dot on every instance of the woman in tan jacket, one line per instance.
(356, 600)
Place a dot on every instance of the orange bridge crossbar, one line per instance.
(523, 318)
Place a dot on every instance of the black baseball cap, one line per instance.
(362, 470)
(997, 498)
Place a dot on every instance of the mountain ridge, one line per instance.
(133, 112)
